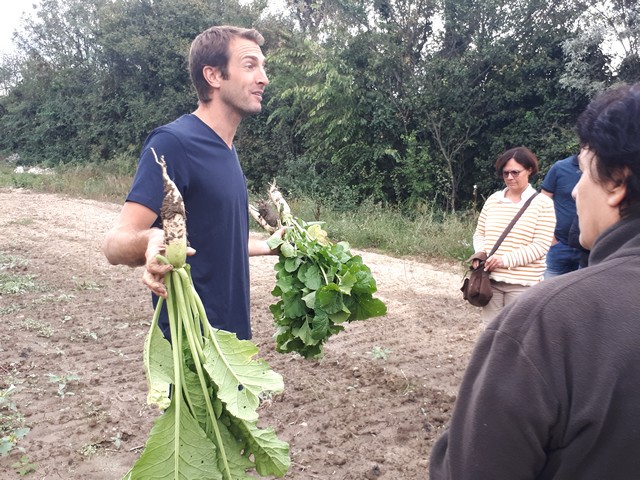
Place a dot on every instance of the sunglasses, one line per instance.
(513, 173)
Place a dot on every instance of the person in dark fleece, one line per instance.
(552, 390)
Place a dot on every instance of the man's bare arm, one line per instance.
(133, 242)
(127, 241)
(259, 247)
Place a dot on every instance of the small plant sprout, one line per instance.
(117, 440)
(209, 426)
(379, 353)
(62, 382)
(23, 466)
(5, 401)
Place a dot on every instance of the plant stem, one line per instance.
(177, 380)
(185, 303)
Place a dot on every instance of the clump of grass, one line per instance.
(42, 329)
(12, 279)
(109, 181)
(430, 234)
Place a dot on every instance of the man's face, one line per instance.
(595, 210)
(246, 78)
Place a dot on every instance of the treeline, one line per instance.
(403, 102)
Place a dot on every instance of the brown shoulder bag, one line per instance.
(476, 286)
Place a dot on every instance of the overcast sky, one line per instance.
(10, 14)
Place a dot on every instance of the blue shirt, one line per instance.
(560, 180)
(209, 176)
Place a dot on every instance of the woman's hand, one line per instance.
(493, 262)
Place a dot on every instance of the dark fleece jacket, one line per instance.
(552, 390)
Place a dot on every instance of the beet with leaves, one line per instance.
(321, 285)
(208, 429)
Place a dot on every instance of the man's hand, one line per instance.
(261, 247)
(153, 276)
(154, 271)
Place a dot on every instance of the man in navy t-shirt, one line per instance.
(558, 184)
(226, 65)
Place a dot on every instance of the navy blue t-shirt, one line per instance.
(208, 174)
(560, 180)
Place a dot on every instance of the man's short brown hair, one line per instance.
(211, 48)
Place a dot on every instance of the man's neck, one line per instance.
(223, 123)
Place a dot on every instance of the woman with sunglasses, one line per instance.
(519, 261)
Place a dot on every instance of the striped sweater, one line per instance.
(525, 248)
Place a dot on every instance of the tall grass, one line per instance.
(105, 182)
(427, 234)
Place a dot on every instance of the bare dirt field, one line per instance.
(71, 343)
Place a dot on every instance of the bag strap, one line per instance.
(513, 222)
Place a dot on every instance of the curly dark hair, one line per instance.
(522, 155)
(610, 128)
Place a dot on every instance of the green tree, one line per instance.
(95, 77)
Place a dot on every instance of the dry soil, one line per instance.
(71, 343)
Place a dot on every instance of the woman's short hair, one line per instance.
(522, 155)
(211, 48)
(610, 127)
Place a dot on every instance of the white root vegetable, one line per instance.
(174, 219)
(281, 204)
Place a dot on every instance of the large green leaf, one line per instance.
(311, 277)
(240, 379)
(346, 283)
(329, 298)
(157, 461)
(158, 364)
(365, 306)
(235, 451)
(320, 329)
(198, 405)
(270, 454)
(294, 306)
(304, 333)
(285, 284)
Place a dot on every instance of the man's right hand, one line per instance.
(154, 271)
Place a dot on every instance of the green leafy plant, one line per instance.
(11, 430)
(209, 426)
(321, 285)
(42, 329)
(23, 466)
(379, 353)
(117, 440)
(62, 382)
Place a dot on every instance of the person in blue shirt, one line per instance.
(227, 69)
(558, 184)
